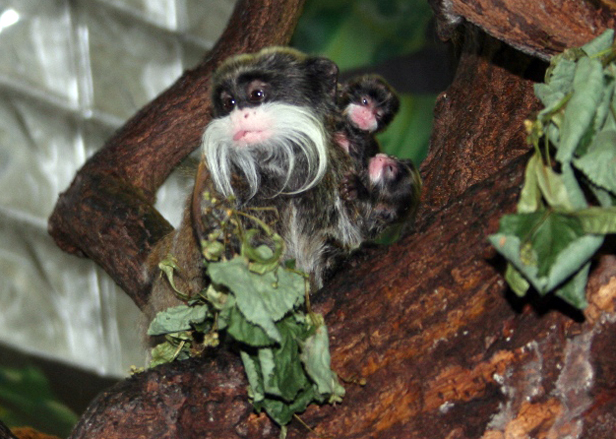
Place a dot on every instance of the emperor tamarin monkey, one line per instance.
(269, 150)
(269, 145)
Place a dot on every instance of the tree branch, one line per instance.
(539, 28)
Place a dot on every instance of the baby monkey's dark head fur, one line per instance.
(270, 123)
(368, 102)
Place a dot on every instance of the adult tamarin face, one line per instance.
(269, 113)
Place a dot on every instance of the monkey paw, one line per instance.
(350, 187)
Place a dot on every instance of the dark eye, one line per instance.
(391, 171)
(257, 95)
(364, 101)
(227, 101)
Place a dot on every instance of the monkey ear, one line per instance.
(325, 71)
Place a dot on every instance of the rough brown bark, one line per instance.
(428, 323)
(540, 28)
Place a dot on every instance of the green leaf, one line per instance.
(599, 163)
(516, 281)
(177, 319)
(262, 254)
(212, 250)
(603, 110)
(545, 247)
(167, 352)
(282, 412)
(550, 97)
(553, 130)
(551, 235)
(515, 230)
(597, 220)
(602, 43)
(255, 378)
(278, 383)
(561, 76)
(282, 369)
(575, 194)
(559, 83)
(168, 266)
(588, 88)
(238, 327)
(605, 198)
(262, 258)
(218, 299)
(572, 258)
(610, 120)
(552, 187)
(262, 299)
(574, 290)
(544, 232)
(317, 361)
(530, 197)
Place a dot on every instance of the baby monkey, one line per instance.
(383, 195)
(367, 105)
(381, 191)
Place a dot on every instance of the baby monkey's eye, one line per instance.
(257, 95)
(364, 101)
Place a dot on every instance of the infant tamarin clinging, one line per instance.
(384, 194)
(382, 190)
(367, 104)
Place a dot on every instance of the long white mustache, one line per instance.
(294, 133)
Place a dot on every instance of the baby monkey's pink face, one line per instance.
(364, 114)
(382, 167)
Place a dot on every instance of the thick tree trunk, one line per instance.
(428, 324)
